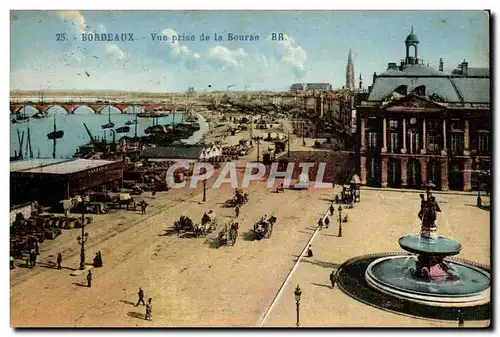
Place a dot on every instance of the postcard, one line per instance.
(210, 168)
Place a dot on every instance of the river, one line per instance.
(75, 133)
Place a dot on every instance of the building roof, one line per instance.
(384, 86)
(173, 152)
(473, 89)
(57, 167)
(21, 165)
(453, 89)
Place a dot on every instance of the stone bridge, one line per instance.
(96, 107)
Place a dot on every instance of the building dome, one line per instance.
(412, 38)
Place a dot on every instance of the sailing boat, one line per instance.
(110, 124)
(21, 116)
(56, 134)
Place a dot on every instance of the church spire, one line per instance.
(350, 72)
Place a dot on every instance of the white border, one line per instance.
(184, 4)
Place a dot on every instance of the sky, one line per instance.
(314, 49)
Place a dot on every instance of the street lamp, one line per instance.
(297, 293)
(340, 222)
(204, 190)
(83, 238)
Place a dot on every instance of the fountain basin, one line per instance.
(432, 246)
(393, 275)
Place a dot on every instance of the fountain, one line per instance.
(428, 277)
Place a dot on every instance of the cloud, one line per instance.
(114, 51)
(293, 55)
(75, 17)
(225, 58)
(191, 59)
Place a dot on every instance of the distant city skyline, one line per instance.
(315, 50)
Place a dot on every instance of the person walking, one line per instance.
(59, 260)
(320, 223)
(141, 297)
(332, 209)
(37, 247)
(12, 262)
(237, 210)
(89, 279)
(333, 278)
(460, 318)
(309, 252)
(327, 222)
(149, 310)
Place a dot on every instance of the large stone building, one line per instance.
(421, 125)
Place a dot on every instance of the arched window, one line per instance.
(402, 89)
(419, 91)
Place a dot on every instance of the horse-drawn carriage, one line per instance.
(209, 222)
(227, 235)
(264, 228)
(186, 225)
(238, 199)
(347, 195)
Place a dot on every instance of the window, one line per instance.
(457, 143)
(372, 140)
(402, 89)
(372, 169)
(393, 124)
(433, 141)
(420, 90)
(393, 142)
(433, 125)
(483, 143)
(413, 142)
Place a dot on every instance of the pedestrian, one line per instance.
(149, 310)
(327, 222)
(332, 209)
(337, 199)
(37, 247)
(12, 262)
(460, 318)
(32, 258)
(320, 223)
(237, 210)
(59, 260)
(333, 278)
(89, 279)
(100, 258)
(309, 252)
(141, 297)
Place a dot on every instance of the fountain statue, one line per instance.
(428, 277)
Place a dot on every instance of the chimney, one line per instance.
(392, 65)
(465, 68)
(374, 77)
(441, 64)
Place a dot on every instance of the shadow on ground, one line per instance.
(322, 285)
(322, 264)
(134, 314)
(248, 236)
(80, 284)
(127, 302)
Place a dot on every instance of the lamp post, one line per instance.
(288, 141)
(340, 222)
(83, 238)
(204, 190)
(303, 133)
(298, 293)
